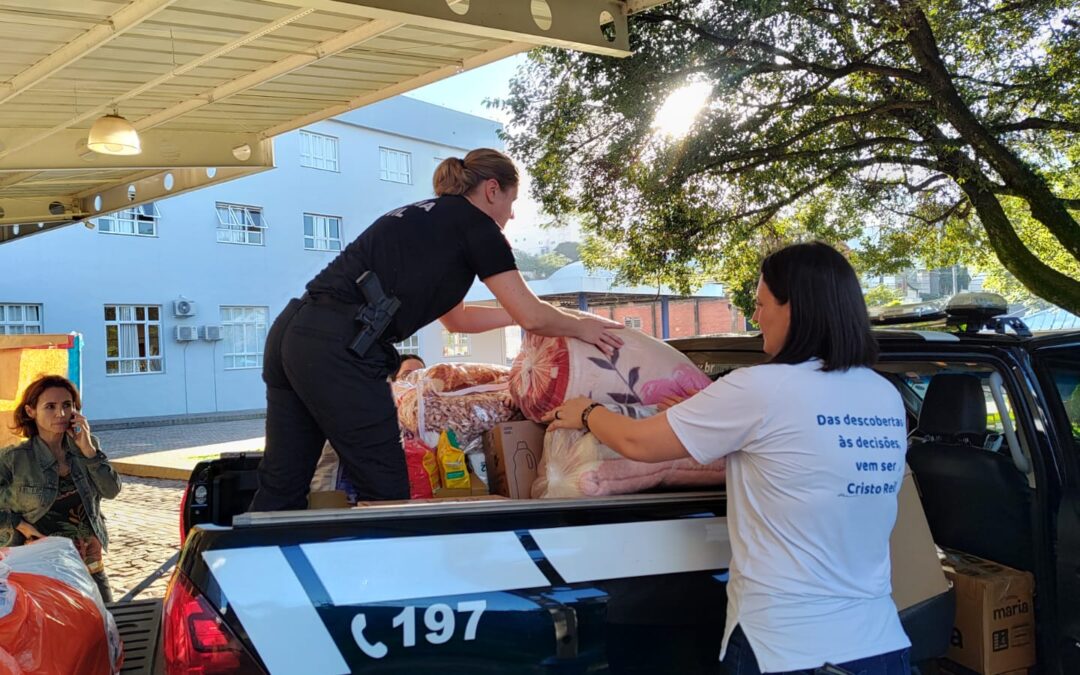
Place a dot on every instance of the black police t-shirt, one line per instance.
(426, 254)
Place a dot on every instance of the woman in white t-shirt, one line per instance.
(815, 444)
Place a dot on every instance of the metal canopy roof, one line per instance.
(208, 83)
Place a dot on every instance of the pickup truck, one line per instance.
(629, 584)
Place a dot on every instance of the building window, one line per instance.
(322, 233)
(395, 166)
(243, 332)
(132, 339)
(410, 345)
(632, 322)
(240, 224)
(318, 151)
(455, 344)
(16, 319)
(138, 221)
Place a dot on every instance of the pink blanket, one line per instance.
(575, 464)
(642, 372)
(625, 476)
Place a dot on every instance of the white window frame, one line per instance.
(146, 363)
(456, 344)
(632, 322)
(390, 165)
(319, 151)
(14, 321)
(410, 345)
(244, 325)
(240, 224)
(320, 238)
(127, 222)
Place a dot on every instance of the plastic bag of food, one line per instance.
(453, 468)
(469, 398)
(423, 469)
(644, 371)
(52, 618)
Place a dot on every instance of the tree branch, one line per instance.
(834, 72)
(1007, 191)
(805, 154)
(912, 189)
(941, 217)
(1034, 123)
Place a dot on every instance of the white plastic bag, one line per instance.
(49, 597)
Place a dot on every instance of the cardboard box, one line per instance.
(513, 452)
(994, 630)
(916, 569)
(327, 499)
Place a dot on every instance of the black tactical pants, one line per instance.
(317, 390)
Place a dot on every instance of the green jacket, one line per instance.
(30, 482)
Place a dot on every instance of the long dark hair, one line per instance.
(25, 425)
(828, 313)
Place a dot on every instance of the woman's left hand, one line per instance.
(568, 415)
(82, 435)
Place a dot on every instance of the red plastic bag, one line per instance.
(423, 469)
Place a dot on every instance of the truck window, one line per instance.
(913, 379)
(1064, 368)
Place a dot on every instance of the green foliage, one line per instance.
(822, 123)
(539, 266)
(569, 249)
(882, 296)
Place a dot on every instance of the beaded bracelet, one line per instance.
(585, 416)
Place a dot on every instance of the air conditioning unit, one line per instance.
(187, 333)
(183, 308)
(210, 333)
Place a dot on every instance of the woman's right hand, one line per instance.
(600, 332)
(29, 531)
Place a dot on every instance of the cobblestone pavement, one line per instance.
(144, 520)
(144, 534)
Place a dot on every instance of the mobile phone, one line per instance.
(75, 428)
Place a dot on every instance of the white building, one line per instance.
(150, 288)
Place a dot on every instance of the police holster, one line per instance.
(374, 315)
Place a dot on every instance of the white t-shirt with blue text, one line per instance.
(814, 465)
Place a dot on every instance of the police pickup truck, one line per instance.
(633, 584)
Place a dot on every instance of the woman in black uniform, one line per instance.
(426, 255)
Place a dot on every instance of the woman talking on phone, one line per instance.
(52, 484)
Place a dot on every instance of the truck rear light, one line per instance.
(197, 640)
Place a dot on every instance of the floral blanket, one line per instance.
(643, 371)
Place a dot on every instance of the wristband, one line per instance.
(585, 416)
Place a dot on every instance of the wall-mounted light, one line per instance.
(113, 135)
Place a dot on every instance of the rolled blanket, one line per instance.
(576, 464)
(551, 370)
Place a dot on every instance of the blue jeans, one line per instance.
(740, 660)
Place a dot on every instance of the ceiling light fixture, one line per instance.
(113, 135)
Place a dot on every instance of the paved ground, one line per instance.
(143, 520)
